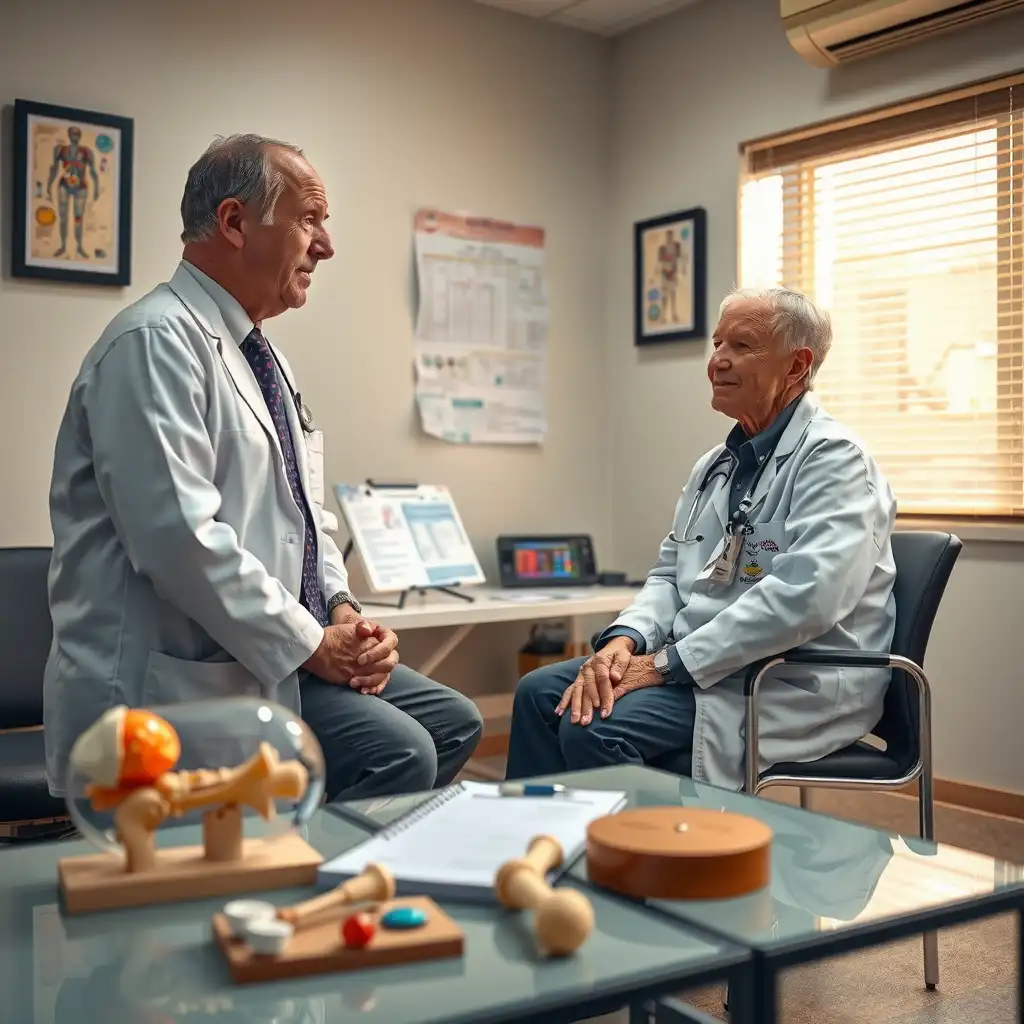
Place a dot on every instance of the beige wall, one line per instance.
(687, 91)
(443, 102)
(398, 104)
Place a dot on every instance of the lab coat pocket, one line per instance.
(175, 680)
(315, 457)
(761, 546)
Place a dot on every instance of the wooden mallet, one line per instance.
(374, 885)
(562, 918)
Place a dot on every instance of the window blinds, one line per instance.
(906, 225)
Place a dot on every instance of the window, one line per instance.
(907, 226)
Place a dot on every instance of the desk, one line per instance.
(159, 963)
(431, 610)
(492, 604)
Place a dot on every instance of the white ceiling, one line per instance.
(605, 17)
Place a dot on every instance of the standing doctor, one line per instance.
(189, 560)
(780, 539)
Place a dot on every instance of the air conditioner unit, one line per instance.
(831, 32)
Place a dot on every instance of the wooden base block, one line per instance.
(320, 949)
(679, 853)
(100, 882)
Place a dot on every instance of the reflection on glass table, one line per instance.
(827, 874)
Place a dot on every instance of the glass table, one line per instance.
(836, 886)
(158, 965)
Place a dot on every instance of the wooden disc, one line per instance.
(679, 853)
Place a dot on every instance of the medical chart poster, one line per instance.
(481, 342)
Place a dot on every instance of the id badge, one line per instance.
(725, 568)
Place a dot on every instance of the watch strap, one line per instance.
(343, 598)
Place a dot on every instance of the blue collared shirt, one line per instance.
(749, 453)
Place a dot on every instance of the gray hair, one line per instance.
(237, 167)
(795, 321)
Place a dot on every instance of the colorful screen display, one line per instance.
(547, 560)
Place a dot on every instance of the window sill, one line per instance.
(993, 531)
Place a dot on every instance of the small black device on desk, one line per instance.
(547, 561)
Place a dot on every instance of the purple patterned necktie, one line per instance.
(264, 367)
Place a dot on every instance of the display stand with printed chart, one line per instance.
(409, 537)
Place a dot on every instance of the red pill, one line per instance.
(357, 931)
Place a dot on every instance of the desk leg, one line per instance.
(578, 647)
(445, 648)
(639, 1014)
(753, 995)
(1020, 965)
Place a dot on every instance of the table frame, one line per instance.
(755, 1000)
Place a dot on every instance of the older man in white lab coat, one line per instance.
(780, 539)
(189, 560)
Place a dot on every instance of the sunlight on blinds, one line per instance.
(914, 246)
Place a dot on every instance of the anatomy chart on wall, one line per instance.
(481, 330)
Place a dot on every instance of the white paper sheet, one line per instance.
(481, 330)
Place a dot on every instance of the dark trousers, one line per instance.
(644, 725)
(416, 735)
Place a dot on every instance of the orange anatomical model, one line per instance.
(128, 754)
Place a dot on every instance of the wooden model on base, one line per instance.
(128, 755)
(562, 918)
(358, 924)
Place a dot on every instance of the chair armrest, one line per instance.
(838, 659)
(824, 658)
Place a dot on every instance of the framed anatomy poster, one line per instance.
(72, 206)
(671, 277)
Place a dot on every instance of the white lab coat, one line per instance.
(817, 572)
(177, 558)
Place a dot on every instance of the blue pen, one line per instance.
(530, 789)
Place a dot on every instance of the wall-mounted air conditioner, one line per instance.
(830, 32)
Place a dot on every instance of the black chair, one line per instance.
(924, 563)
(26, 808)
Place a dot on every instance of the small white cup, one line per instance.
(268, 936)
(241, 912)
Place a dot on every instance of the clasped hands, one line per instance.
(355, 652)
(602, 679)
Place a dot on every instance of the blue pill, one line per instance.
(404, 917)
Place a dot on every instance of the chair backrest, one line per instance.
(924, 562)
(25, 634)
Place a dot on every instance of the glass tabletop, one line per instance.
(158, 964)
(827, 874)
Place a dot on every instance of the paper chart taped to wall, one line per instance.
(481, 330)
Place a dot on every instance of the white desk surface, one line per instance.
(493, 604)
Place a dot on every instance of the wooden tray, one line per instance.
(319, 948)
(100, 882)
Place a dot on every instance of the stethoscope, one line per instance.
(723, 466)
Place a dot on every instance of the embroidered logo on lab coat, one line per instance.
(751, 571)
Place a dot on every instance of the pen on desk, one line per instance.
(530, 789)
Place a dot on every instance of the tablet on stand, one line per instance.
(409, 537)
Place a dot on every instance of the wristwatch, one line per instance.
(661, 663)
(342, 597)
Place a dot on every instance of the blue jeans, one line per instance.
(644, 725)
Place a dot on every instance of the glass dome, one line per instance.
(236, 751)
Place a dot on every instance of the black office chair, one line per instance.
(924, 563)
(27, 810)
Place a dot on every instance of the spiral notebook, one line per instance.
(451, 846)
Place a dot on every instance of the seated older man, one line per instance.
(781, 539)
